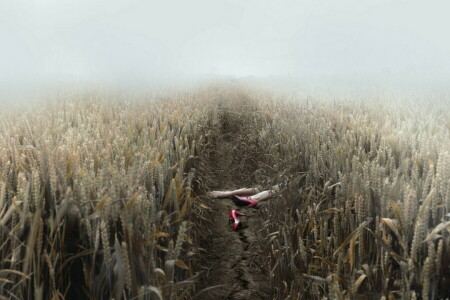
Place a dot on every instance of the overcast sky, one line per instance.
(45, 41)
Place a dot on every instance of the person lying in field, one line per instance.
(247, 196)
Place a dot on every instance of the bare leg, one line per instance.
(263, 195)
(240, 192)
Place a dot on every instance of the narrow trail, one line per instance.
(233, 259)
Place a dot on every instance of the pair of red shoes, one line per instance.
(233, 214)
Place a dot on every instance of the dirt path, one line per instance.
(233, 259)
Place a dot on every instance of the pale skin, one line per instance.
(250, 192)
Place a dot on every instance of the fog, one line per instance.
(140, 42)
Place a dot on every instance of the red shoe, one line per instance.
(236, 223)
(244, 201)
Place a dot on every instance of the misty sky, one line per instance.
(44, 41)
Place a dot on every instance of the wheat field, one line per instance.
(102, 196)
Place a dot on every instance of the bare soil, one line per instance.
(233, 260)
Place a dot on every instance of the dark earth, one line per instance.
(233, 263)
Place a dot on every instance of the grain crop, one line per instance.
(102, 196)
(365, 209)
(95, 193)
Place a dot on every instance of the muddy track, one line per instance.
(233, 259)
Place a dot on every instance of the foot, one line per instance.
(244, 201)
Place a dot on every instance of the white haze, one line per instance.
(140, 42)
